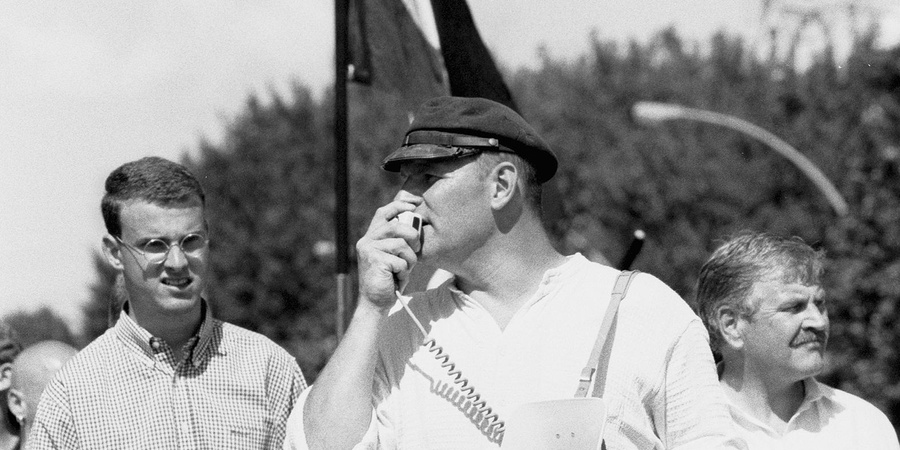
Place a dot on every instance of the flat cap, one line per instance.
(455, 127)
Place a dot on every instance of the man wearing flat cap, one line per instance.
(517, 322)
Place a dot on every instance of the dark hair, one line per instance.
(152, 179)
(487, 160)
(727, 278)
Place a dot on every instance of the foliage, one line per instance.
(687, 185)
(40, 325)
(107, 297)
(270, 201)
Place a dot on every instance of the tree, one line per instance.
(270, 201)
(107, 296)
(687, 185)
(40, 325)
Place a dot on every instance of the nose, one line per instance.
(409, 193)
(175, 257)
(816, 317)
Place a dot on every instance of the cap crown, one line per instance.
(448, 122)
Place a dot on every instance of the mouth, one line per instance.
(177, 282)
(813, 341)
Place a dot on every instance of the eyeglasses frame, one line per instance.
(169, 246)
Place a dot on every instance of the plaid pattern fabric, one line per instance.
(233, 390)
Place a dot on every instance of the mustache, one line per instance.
(808, 336)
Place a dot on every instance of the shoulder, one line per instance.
(643, 284)
(848, 403)
(246, 342)
(89, 361)
(653, 299)
(859, 415)
(85, 375)
(649, 307)
(256, 353)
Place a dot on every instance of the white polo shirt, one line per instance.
(828, 418)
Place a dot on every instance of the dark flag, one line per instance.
(470, 68)
(387, 49)
(390, 52)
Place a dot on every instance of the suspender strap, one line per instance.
(594, 366)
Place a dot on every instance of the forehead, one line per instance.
(773, 290)
(140, 218)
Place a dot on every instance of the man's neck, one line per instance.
(505, 275)
(773, 402)
(174, 330)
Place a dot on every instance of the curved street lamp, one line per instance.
(652, 113)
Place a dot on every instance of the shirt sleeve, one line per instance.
(54, 426)
(696, 414)
(286, 384)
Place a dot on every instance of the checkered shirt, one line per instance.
(234, 389)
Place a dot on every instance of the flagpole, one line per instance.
(341, 188)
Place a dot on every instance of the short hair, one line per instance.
(9, 343)
(152, 179)
(487, 160)
(727, 278)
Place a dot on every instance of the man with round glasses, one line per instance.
(167, 375)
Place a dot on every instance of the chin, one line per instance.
(179, 304)
(810, 368)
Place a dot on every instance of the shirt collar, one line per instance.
(130, 332)
(813, 392)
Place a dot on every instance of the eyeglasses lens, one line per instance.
(156, 250)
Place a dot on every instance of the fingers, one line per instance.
(393, 254)
(402, 202)
(384, 265)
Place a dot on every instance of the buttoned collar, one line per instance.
(198, 346)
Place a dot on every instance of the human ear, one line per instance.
(112, 252)
(730, 324)
(17, 405)
(504, 182)
(5, 376)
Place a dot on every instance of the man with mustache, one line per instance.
(760, 297)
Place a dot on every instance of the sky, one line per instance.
(89, 85)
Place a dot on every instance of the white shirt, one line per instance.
(828, 418)
(661, 390)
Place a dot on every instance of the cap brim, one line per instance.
(423, 151)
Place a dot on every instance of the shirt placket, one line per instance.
(181, 402)
(179, 395)
(182, 410)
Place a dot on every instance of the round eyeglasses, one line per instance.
(156, 250)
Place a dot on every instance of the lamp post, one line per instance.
(652, 113)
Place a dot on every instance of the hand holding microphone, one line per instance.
(414, 220)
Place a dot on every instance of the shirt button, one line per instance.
(185, 428)
(154, 344)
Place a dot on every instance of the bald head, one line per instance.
(32, 370)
